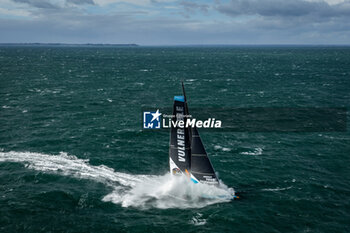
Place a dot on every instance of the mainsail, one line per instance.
(187, 154)
(201, 167)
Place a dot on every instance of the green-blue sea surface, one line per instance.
(73, 157)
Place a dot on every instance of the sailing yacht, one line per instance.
(187, 154)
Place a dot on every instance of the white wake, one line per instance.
(140, 191)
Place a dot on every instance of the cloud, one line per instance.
(81, 2)
(51, 4)
(282, 8)
(14, 12)
(133, 2)
(159, 22)
(45, 4)
(193, 6)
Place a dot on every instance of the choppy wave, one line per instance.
(276, 189)
(256, 151)
(198, 220)
(217, 147)
(140, 191)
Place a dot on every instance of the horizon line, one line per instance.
(158, 45)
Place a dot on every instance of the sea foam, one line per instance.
(138, 191)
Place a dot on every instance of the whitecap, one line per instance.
(217, 147)
(276, 189)
(256, 151)
(197, 220)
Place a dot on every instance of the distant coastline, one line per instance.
(68, 45)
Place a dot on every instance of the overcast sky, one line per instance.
(173, 22)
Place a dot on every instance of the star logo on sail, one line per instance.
(152, 120)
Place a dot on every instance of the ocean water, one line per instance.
(73, 157)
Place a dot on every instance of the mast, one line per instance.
(180, 139)
(186, 110)
(183, 90)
